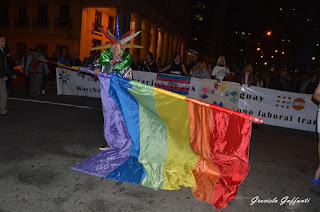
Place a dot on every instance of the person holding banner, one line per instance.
(246, 78)
(220, 70)
(201, 71)
(148, 64)
(176, 67)
(316, 97)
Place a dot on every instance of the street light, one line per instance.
(260, 50)
(276, 50)
(269, 33)
(313, 58)
(282, 52)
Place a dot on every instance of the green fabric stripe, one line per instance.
(153, 147)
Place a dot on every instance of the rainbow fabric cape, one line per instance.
(163, 140)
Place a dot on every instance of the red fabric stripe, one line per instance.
(167, 87)
(173, 80)
(229, 144)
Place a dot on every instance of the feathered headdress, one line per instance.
(117, 39)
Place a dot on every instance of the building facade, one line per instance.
(73, 24)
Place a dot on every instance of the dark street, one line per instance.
(41, 142)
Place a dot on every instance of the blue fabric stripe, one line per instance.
(174, 77)
(131, 170)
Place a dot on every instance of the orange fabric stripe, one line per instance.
(225, 110)
(205, 172)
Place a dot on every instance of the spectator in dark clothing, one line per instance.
(64, 58)
(312, 84)
(75, 61)
(52, 67)
(176, 67)
(87, 61)
(281, 81)
(246, 77)
(149, 65)
(10, 65)
(23, 66)
(5, 74)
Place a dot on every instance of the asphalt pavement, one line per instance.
(40, 142)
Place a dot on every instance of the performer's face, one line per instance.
(117, 51)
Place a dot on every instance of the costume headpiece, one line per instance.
(117, 40)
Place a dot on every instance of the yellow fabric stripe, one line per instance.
(180, 159)
(169, 93)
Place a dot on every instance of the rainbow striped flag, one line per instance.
(164, 140)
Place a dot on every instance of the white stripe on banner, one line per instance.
(174, 83)
(52, 103)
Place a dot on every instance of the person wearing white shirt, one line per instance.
(220, 70)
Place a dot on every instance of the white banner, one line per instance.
(224, 94)
(76, 83)
(194, 88)
(148, 78)
(279, 108)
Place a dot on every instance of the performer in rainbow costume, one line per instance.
(115, 58)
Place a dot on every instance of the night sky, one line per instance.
(296, 21)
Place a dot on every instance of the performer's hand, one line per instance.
(14, 77)
(96, 71)
(5, 78)
(218, 80)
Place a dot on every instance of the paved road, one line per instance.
(41, 142)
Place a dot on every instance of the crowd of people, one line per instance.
(280, 78)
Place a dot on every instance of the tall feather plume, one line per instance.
(127, 39)
(112, 40)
